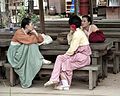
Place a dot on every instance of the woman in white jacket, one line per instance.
(77, 56)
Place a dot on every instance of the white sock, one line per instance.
(64, 82)
(46, 61)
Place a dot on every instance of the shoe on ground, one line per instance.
(49, 83)
(46, 61)
(61, 87)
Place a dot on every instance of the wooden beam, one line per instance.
(91, 9)
(30, 6)
(76, 2)
(75, 7)
(41, 12)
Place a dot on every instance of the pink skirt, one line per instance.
(80, 59)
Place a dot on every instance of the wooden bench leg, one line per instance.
(95, 74)
(12, 77)
(105, 68)
(116, 65)
(91, 79)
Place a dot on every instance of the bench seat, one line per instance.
(92, 72)
(1, 63)
(117, 53)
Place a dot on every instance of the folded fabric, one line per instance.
(26, 61)
(97, 37)
(47, 39)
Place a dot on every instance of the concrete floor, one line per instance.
(110, 86)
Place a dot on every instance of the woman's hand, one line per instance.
(34, 32)
(73, 27)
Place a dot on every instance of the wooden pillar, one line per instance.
(91, 9)
(78, 8)
(41, 12)
(75, 7)
(7, 6)
(16, 12)
(30, 6)
(0, 16)
(76, 4)
(48, 4)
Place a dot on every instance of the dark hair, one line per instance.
(88, 18)
(75, 20)
(25, 22)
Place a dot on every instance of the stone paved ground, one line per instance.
(110, 86)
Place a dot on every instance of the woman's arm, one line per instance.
(21, 37)
(94, 28)
(74, 44)
(38, 36)
(69, 36)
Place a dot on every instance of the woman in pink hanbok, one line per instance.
(77, 56)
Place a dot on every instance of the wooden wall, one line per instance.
(59, 5)
(113, 12)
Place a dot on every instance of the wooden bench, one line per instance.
(98, 50)
(116, 50)
(117, 53)
(92, 72)
(2, 69)
(1, 63)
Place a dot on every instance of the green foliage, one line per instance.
(34, 18)
(4, 20)
(22, 13)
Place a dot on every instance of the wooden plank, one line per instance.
(41, 12)
(50, 66)
(52, 52)
(4, 42)
(90, 79)
(47, 70)
(94, 46)
(117, 53)
(1, 63)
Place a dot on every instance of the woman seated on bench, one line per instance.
(77, 56)
(91, 30)
(23, 53)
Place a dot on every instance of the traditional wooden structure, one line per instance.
(98, 50)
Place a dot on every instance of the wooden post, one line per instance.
(75, 7)
(41, 12)
(7, 6)
(78, 4)
(47, 4)
(16, 12)
(30, 6)
(0, 16)
(91, 9)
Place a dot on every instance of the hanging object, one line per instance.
(52, 10)
(84, 6)
(72, 9)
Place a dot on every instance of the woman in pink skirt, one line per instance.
(77, 56)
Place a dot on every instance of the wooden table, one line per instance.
(116, 38)
(98, 51)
